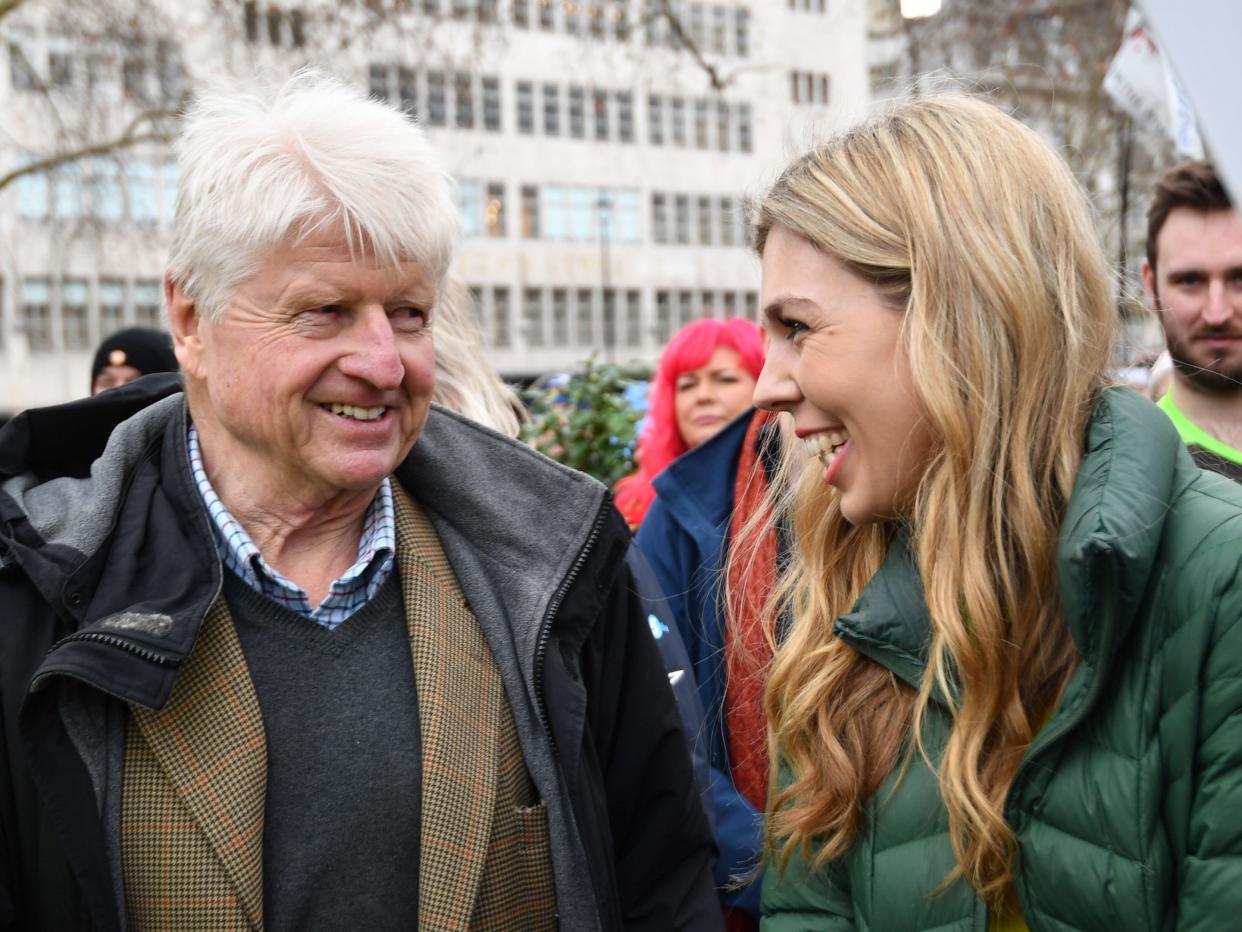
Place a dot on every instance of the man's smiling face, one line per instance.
(317, 378)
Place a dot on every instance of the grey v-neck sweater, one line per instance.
(340, 712)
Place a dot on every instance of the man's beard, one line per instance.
(1214, 376)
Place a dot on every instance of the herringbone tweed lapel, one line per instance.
(209, 744)
(460, 700)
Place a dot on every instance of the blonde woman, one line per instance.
(1009, 696)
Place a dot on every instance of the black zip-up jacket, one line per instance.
(107, 567)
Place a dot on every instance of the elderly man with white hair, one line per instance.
(293, 648)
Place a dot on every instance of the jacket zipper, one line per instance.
(112, 641)
(545, 630)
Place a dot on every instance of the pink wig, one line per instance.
(660, 442)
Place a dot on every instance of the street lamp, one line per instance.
(912, 10)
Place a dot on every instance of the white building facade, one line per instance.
(602, 173)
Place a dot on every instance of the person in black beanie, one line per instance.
(128, 354)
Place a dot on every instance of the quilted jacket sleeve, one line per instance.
(798, 900)
(1211, 873)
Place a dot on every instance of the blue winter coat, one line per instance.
(683, 537)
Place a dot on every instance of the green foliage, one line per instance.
(586, 424)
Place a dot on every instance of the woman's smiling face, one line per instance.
(836, 362)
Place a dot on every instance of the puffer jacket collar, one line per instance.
(1129, 473)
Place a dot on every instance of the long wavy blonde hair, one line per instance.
(969, 223)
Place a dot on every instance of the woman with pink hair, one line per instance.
(705, 379)
(703, 476)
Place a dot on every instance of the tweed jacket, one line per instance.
(108, 572)
(196, 773)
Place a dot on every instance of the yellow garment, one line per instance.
(1010, 919)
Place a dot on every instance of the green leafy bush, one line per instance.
(586, 424)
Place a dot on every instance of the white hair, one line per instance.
(260, 166)
(466, 382)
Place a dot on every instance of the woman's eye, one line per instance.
(790, 326)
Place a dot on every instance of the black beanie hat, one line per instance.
(146, 350)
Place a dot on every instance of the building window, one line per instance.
(148, 304)
(134, 78)
(437, 99)
(745, 129)
(663, 330)
(560, 317)
(491, 104)
(633, 318)
(169, 176)
(729, 303)
(521, 13)
(21, 75)
(297, 28)
(752, 305)
(723, 126)
(530, 212)
(553, 212)
(551, 110)
(677, 116)
(547, 14)
(585, 209)
(407, 90)
(807, 88)
(111, 306)
(586, 317)
(33, 193)
(75, 324)
(378, 81)
(659, 217)
(628, 227)
(707, 303)
(526, 107)
(655, 119)
(250, 13)
(720, 29)
(696, 25)
(168, 72)
(596, 24)
(463, 99)
(532, 316)
(36, 313)
(494, 217)
(577, 112)
(741, 31)
(609, 316)
(727, 222)
(681, 218)
(620, 15)
(573, 16)
(107, 204)
(600, 103)
(500, 317)
(704, 210)
(625, 116)
(685, 308)
(470, 207)
(700, 124)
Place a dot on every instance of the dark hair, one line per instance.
(1194, 185)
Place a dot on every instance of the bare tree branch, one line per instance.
(718, 83)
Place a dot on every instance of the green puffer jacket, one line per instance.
(1128, 806)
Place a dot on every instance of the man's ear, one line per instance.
(185, 323)
(1149, 286)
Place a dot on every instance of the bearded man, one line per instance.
(1193, 280)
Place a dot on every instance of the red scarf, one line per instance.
(751, 578)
